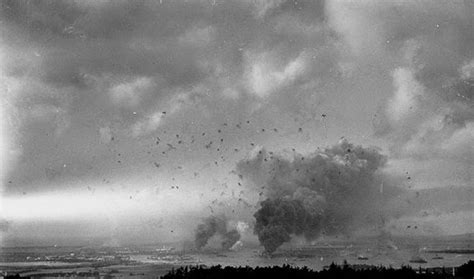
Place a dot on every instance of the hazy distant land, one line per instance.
(153, 260)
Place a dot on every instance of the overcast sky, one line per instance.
(144, 108)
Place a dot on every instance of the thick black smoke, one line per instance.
(212, 226)
(329, 192)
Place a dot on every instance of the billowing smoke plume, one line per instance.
(216, 226)
(329, 192)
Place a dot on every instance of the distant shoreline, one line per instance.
(452, 251)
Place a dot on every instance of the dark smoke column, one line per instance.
(328, 192)
(278, 219)
(215, 225)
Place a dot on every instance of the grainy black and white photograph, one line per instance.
(236, 139)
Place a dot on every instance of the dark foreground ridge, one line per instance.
(334, 271)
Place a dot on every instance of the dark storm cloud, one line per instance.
(86, 67)
(86, 71)
(144, 38)
(112, 38)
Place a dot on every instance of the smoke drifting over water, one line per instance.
(329, 192)
(216, 226)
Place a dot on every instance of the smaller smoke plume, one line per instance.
(230, 238)
(216, 226)
(237, 246)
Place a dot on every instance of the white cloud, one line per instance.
(404, 100)
(428, 132)
(231, 93)
(264, 6)
(6, 143)
(197, 37)
(105, 134)
(461, 143)
(130, 93)
(265, 77)
(147, 124)
(9, 122)
(154, 120)
(467, 70)
(354, 21)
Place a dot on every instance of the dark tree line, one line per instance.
(334, 271)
